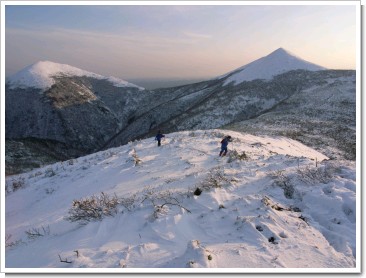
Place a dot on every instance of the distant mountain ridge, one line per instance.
(42, 75)
(82, 113)
(74, 110)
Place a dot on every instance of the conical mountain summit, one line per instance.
(277, 62)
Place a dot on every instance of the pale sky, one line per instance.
(176, 41)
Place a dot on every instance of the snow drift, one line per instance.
(271, 203)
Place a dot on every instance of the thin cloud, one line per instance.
(131, 37)
(105, 53)
(197, 35)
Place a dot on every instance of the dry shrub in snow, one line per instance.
(93, 208)
(128, 202)
(38, 232)
(49, 172)
(234, 155)
(218, 134)
(161, 201)
(313, 175)
(134, 158)
(14, 185)
(215, 179)
(9, 242)
(284, 181)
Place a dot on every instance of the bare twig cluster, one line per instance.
(215, 179)
(128, 202)
(38, 232)
(9, 242)
(312, 175)
(93, 208)
(161, 201)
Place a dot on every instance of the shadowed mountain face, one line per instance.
(72, 111)
(322, 115)
(77, 115)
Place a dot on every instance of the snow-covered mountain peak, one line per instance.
(41, 75)
(281, 51)
(277, 62)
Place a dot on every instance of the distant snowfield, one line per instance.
(40, 75)
(272, 209)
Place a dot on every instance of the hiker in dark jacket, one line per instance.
(224, 143)
(158, 137)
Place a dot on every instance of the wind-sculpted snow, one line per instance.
(272, 203)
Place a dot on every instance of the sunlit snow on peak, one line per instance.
(277, 62)
(41, 75)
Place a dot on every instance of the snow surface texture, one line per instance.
(279, 61)
(40, 75)
(271, 203)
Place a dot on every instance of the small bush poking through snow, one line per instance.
(162, 201)
(10, 243)
(38, 232)
(313, 175)
(218, 134)
(284, 181)
(128, 202)
(14, 185)
(49, 172)
(214, 179)
(93, 208)
(134, 158)
(234, 155)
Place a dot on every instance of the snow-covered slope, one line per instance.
(41, 75)
(277, 62)
(322, 115)
(275, 203)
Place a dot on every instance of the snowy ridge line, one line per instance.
(282, 205)
(40, 75)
